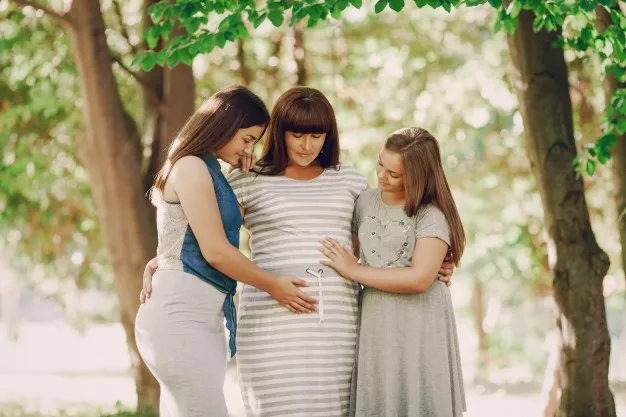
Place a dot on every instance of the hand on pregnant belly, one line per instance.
(340, 258)
(287, 293)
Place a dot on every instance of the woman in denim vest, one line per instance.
(180, 331)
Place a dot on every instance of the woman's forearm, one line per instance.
(231, 262)
(407, 280)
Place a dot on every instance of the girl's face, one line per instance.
(241, 144)
(304, 148)
(390, 171)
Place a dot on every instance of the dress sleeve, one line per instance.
(431, 222)
(358, 186)
(240, 182)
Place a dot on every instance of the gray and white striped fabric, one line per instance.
(297, 365)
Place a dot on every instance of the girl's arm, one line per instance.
(427, 259)
(193, 185)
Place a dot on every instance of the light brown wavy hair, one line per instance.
(425, 181)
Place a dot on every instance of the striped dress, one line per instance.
(297, 365)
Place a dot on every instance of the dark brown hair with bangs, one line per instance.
(425, 181)
(300, 110)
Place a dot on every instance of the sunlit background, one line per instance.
(62, 351)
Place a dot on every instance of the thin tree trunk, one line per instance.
(299, 54)
(244, 72)
(273, 71)
(551, 389)
(180, 93)
(580, 264)
(478, 313)
(165, 111)
(618, 154)
(153, 111)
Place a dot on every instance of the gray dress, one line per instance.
(408, 353)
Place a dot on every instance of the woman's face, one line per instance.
(241, 144)
(390, 171)
(304, 148)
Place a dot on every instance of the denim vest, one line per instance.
(191, 256)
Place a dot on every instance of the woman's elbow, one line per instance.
(214, 255)
(422, 284)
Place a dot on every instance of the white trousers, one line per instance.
(180, 335)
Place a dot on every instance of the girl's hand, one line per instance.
(151, 268)
(246, 162)
(287, 292)
(446, 271)
(340, 258)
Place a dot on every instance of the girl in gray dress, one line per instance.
(408, 354)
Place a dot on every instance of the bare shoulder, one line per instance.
(190, 170)
(188, 165)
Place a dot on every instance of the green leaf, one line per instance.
(193, 25)
(225, 24)
(312, 21)
(514, 9)
(495, 3)
(604, 156)
(380, 6)
(157, 12)
(208, 43)
(396, 5)
(257, 20)
(151, 36)
(172, 59)
(509, 25)
(356, 3)
(276, 17)
(343, 4)
(220, 40)
(590, 167)
(230, 35)
(160, 57)
(242, 31)
(185, 56)
(147, 62)
(166, 29)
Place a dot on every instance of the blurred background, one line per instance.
(63, 350)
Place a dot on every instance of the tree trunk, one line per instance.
(112, 154)
(580, 264)
(551, 389)
(618, 154)
(273, 79)
(299, 54)
(244, 72)
(478, 314)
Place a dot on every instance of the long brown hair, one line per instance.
(213, 125)
(300, 110)
(425, 181)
